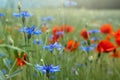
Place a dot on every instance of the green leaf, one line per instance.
(5, 60)
(15, 73)
(2, 77)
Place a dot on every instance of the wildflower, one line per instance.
(17, 15)
(117, 37)
(22, 14)
(94, 39)
(47, 69)
(105, 46)
(26, 14)
(72, 45)
(21, 58)
(44, 27)
(1, 55)
(115, 54)
(49, 18)
(87, 48)
(53, 39)
(107, 29)
(30, 30)
(36, 41)
(117, 40)
(69, 3)
(4, 71)
(2, 14)
(93, 31)
(67, 28)
(51, 47)
(117, 33)
(84, 34)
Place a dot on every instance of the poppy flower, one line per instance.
(116, 54)
(67, 28)
(57, 32)
(117, 40)
(21, 59)
(72, 45)
(107, 29)
(117, 33)
(84, 34)
(105, 46)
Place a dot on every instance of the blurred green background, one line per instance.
(90, 4)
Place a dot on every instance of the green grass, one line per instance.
(105, 69)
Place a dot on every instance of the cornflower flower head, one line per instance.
(4, 71)
(36, 41)
(51, 47)
(22, 14)
(30, 31)
(94, 31)
(87, 48)
(47, 69)
(49, 18)
(2, 14)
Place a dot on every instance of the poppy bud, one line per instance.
(19, 6)
(10, 40)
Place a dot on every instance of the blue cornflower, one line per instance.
(2, 14)
(69, 3)
(94, 39)
(25, 14)
(39, 42)
(49, 18)
(87, 48)
(94, 31)
(22, 14)
(4, 71)
(60, 32)
(30, 30)
(47, 68)
(17, 15)
(51, 47)
(1, 55)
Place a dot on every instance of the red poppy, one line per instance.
(72, 45)
(105, 46)
(117, 34)
(54, 39)
(84, 34)
(21, 60)
(67, 28)
(107, 29)
(116, 54)
(117, 40)
(55, 30)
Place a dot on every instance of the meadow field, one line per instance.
(37, 46)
